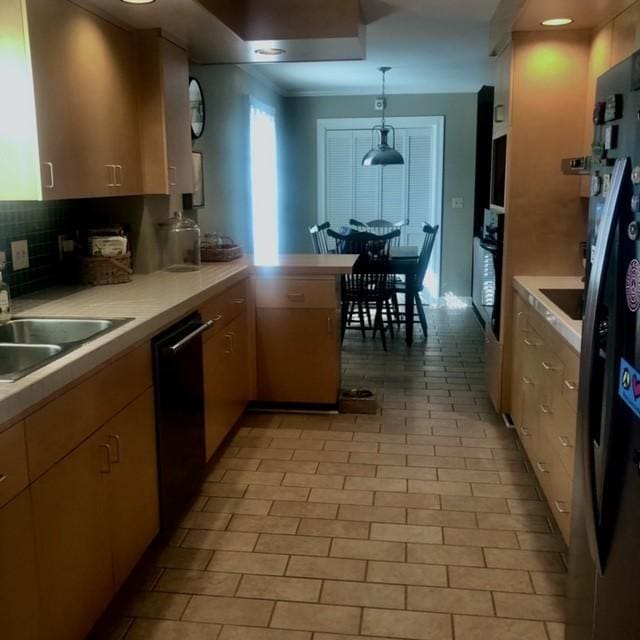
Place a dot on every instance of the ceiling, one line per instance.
(433, 46)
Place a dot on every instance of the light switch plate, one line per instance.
(380, 104)
(457, 203)
(19, 255)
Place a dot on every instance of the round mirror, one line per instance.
(196, 102)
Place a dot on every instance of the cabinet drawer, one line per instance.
(562, 433)
(14, 475)
(60, 426)
(225, 307)
(570, 383)
(296, 293)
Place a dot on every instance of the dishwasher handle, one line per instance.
(173, 349)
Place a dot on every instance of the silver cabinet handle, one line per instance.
(52, 182)
(238, 301)
(565, 442)
(217, 318)
(525, 432)
(296, 297)
(542, 466)
(531, 343)
(572, 386)
(498, 113)
(194, 334)
(549, 366)
(118, 173)
(173, 172)
(329, 325)
(3, 477)
(546, 410)
(561, 506)
(228, 338)
(107, 448)
(527, 380)
(116, 439)
(111, 175)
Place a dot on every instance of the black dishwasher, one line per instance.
(180, 429)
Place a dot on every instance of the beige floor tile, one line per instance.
(234, 505)
(409, 500)
(229, 610)
(241, 464)
(341, 496)
(363, 594)
(464, 503)
(301, 545)
(326, 435)
(513, 522)
(280, 588)
(321, 456)
(152, 604)
(204, 520)
(541, 541)
(463, 452)
(261, 492)
(506, 442)
(490, 579)
(388, 438)
(265, 453)
(171, 630)
(347, 469)
(405, 573)
(529, 507)
(550, 584)
(263, 524)
(434, 440)
(179, 558)
(406, 533)
(297, 444)
(258, 563)
(223, 490)
(230, 632)
(468, 475)
(479, 628)
(253, 477)
(372, 514)
(530, 607)
(521, 492)
(285, 466)
(304, 510)
(441, 462)
(413, 473)
(340, 636)
(209, 583)
(307, 480)
(329, 568)
(517, 477)
(376, 484)
(227, 540)
(334, 528)
(481, 538)
(406, 624)
(342, 445)
(368, 550)
(440, 488)
(495, 465)
(378, 458)
(316, 617)
(445, 554)
(406, 449)
(555, 630)
(438, 518)
(529, 560)
(444, 600)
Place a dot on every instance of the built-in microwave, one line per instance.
(498, 172)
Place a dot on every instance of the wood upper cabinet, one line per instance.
(19, 608)
(502, 92)
(73, 97)
(165, 116)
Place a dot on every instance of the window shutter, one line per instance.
(339, 178)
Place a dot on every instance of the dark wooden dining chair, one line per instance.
(370, 284)
(382, 226)
(424, 257)
(356, 224)
(319, 238)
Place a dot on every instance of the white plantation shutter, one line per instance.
(367, 179)
(339, 178)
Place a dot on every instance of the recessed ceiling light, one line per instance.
(270, 51)
(137, 1)
(557, 22)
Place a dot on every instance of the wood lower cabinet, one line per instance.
(543, 390)
(95, 512)
(19, 605)
(226, 380)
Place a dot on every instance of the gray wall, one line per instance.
(300, 167)
(225, 145)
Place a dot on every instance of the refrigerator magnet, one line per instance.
(632, 286)
(606, 183)
(629, 387)
(610, 137)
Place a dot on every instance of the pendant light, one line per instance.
(383, 154)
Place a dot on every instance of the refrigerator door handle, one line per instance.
(590, 352)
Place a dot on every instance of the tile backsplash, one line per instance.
(40, 224)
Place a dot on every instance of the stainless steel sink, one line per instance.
(26, 344)
(16, 360)
(60, 331)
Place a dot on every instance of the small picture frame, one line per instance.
(198, 180)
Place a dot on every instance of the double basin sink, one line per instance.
(26, 344)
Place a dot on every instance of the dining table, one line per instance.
(404, 261)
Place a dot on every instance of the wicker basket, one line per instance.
(106, 270)
(220, 254)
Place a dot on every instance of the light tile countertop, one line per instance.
(152, 301)
(530, 288)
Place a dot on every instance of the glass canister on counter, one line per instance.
(180, 243)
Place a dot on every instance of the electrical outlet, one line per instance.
(457, 203)
(19, 255)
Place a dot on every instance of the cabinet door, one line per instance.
(19, 611)
(287, 341)
(73, 541)
(133, 485)
(239, 378)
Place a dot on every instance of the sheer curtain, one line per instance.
(264, 182)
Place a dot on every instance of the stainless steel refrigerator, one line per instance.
(604, 552)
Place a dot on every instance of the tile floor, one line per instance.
(421, 522)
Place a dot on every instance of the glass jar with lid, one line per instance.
(180, 243)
